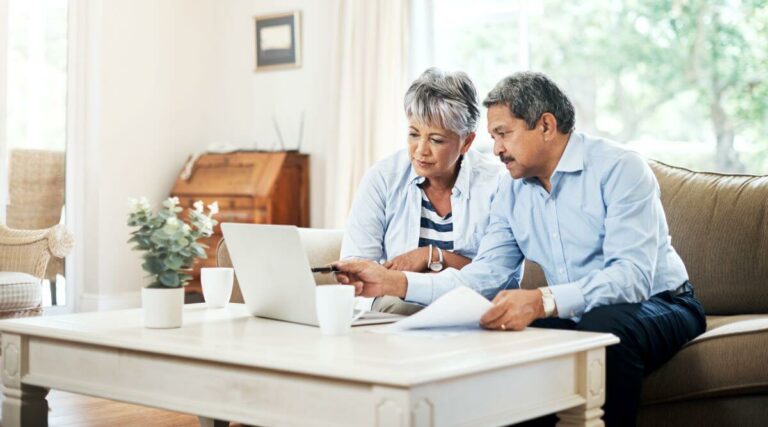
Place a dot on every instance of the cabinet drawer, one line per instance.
(225, 202)
(253, 216)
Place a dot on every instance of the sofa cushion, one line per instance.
(719, 226)
(533, 276)
(323, 247)
(19, 291)
(735, 411)
(714, 322)
(727, 360)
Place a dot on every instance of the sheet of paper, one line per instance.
(459, 307)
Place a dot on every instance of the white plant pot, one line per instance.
(162, 307)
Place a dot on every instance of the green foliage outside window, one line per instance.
(682, 81)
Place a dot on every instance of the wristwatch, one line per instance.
(436, 265)
(548, 298)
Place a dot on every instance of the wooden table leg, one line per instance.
(26, 406)
(591, 383)
(23, 404)
(210, 422)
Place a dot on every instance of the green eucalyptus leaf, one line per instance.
(153, 265)
(199, 252)
(174, 262)
(170, 279)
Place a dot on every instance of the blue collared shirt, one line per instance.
(385, 218)
(600, 236)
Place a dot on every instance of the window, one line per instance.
(683, 82)
(34, 143)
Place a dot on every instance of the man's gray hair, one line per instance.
(448, 100)
(529, 95)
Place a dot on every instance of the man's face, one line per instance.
(519, 148)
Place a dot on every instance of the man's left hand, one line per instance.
(514, 310)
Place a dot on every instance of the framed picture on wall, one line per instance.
(278, 41)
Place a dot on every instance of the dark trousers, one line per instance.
(651, 333)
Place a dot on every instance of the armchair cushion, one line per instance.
(20, 294)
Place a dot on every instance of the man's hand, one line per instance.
(415, 260)
(371, 279)
(514, 310)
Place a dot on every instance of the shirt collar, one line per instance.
(572, 159)
(413, 178)
(462, 181)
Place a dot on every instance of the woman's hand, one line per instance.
(415, 260)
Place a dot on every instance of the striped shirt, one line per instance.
(435, 229)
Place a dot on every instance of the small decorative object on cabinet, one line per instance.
(250, 186)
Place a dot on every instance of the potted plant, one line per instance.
(170, 248)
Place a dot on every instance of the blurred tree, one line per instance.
(663, 68)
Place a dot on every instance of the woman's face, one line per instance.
(434, 151)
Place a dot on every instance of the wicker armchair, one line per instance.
(24, 256)
(36, 197)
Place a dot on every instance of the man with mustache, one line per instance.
(589, 212)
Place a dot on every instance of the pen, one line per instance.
(329, 269)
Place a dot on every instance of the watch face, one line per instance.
(435, 266)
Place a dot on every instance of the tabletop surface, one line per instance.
(232, 336)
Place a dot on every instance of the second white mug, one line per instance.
(217, 285)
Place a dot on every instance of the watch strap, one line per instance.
(548, 300)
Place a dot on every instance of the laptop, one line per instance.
(272, 268)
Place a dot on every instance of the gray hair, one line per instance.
(448, 100)
(529, 95)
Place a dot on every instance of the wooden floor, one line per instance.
(74, 410)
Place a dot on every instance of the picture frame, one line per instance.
(277, 41)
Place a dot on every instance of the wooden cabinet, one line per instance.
(250, 186)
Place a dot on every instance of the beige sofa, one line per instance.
(719, 225)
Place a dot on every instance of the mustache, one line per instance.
(506, 159)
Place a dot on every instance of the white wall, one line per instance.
(243, 102)
(149, 84)
(166, 79)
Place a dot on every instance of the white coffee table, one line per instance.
(224, 364)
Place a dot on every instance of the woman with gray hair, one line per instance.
(425, 207)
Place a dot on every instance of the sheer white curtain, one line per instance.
(3, 82)
(373, 74)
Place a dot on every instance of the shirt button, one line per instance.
(562, 270)
(554, 235)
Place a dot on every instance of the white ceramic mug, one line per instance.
(335, 307)
(217, 285)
